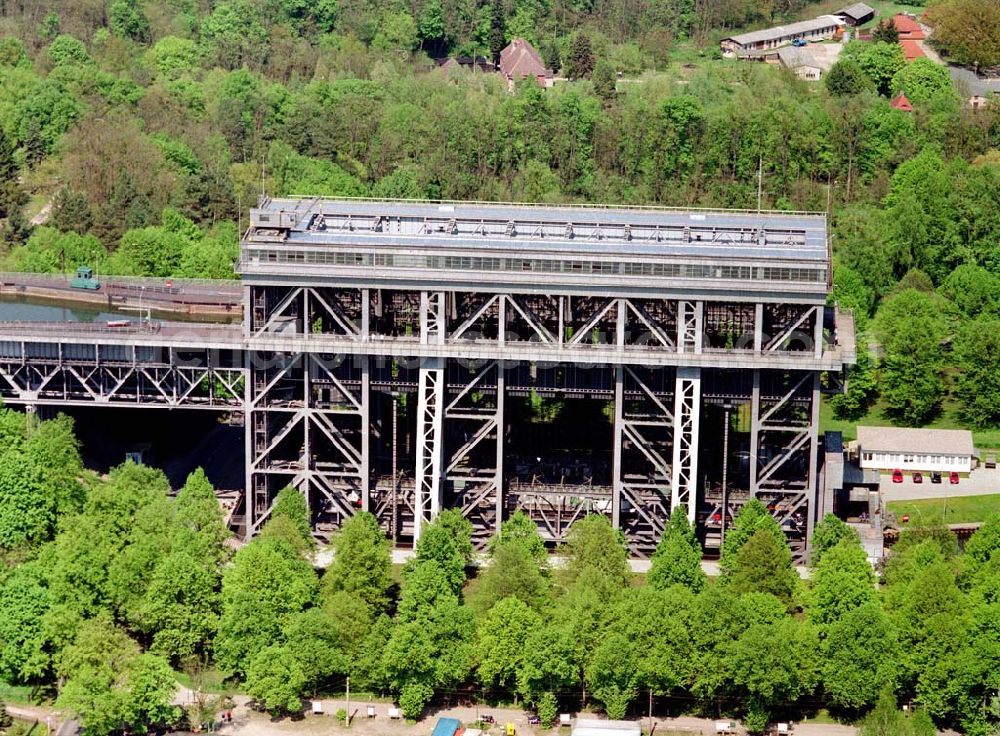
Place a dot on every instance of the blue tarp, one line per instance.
(446, 727)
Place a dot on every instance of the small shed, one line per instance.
(597, 727)
(857, 14)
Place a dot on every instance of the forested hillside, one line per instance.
(111, 589)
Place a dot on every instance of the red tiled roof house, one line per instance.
(909, 29)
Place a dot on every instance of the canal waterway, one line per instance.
(32, 309)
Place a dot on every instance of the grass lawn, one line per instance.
(821, 716)
(16, 694)
(984, 439)
(883, 9)
(960, 509)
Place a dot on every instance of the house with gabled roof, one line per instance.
(520, 61)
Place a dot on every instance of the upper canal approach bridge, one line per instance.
(404, 357)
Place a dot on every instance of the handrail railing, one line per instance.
(269, 201)
(148, 281)
(134, 327)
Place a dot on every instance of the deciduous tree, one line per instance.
(842, 580)
(968, 30)
(361, 565)
(860, 657)
(268, 583)
(977, 350)
(275, 679)
(596, 556)
(502, 639)
(764, 564)
(677, 559)
(910, 327)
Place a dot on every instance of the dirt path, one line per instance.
(43, 214)
(248, 723)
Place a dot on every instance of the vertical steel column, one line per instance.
(754, 432)
(432, 317)
(687, 417)
(366, 308)
(699, 327)
(306, 325)
(430, 440)
(248, 415)
(430, 413)
(501, 320)
(758, 327)
(818, 333)
(307, 482)
(364, 468)
(501, 390)
(690, 330)
(616, 462)
(813, 462)
(620, 329)
(248, 325)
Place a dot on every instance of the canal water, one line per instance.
(15, 308)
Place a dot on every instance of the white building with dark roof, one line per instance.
(817, 29)
(801, 62)
(917, 450)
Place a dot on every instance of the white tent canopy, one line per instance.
(595, 727)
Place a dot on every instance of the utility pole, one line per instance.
(650, 712)
(760, 180)
(347, 718)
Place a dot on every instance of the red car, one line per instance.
(897, 476)
(918, 478)
(953, 478)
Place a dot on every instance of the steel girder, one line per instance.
(549, 320)
(309, 428)
(474, 448)
(115, 375)
(643, 467)
(784, 450)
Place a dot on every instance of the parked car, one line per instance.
(953, 478)
(935, 477)
(918, 478)
(897, 476)
(799, 42)
(991, 461)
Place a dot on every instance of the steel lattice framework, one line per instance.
(397, 356)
